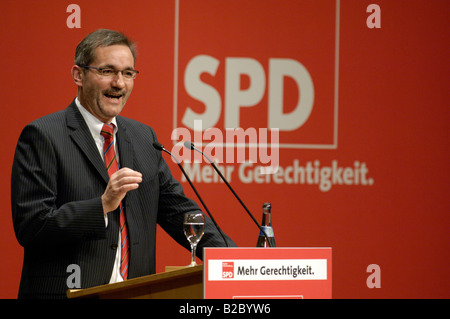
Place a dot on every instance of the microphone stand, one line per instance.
(191, 146)
(160, 147)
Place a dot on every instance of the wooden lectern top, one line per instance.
(184, 283)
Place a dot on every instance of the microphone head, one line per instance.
(189, 145)
(158, 146)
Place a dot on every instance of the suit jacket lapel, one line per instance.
(126, 159)
(83, 138)
(124, 145)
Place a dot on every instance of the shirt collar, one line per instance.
(93, 123)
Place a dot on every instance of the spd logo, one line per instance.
(227, 270)
(274, 66)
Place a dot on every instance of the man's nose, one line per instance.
(118, 80)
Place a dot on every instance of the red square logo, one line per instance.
(266, 64)
(227, 270)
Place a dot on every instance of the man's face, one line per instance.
(105, 96)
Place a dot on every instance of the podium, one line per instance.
(267, 273)
(184, 283)
(232, 273)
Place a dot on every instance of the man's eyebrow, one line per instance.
(110, 66)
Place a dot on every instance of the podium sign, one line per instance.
(267, 273)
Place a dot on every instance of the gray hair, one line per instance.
(84, 54)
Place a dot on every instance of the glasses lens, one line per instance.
(107, 72)
(129, 74)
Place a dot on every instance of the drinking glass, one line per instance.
(194, 227)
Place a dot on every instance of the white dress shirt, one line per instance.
(95, 126)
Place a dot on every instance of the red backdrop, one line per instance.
(379, 111)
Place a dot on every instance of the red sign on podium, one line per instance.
(267, 273)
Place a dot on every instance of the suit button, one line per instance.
(114, 246)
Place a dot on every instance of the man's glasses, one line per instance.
(110, 72)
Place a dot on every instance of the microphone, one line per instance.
(160, 147)
(191, 146)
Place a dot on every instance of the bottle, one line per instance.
(266, 225)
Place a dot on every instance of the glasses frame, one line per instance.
(116, 72)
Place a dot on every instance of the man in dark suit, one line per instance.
(66, 208)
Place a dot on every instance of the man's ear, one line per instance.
(77, 75)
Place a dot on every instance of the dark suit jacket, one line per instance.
(58, 178)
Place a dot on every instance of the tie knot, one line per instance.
(107, 131)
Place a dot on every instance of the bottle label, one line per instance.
(268, 230)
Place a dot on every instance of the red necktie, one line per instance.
(112, 166)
